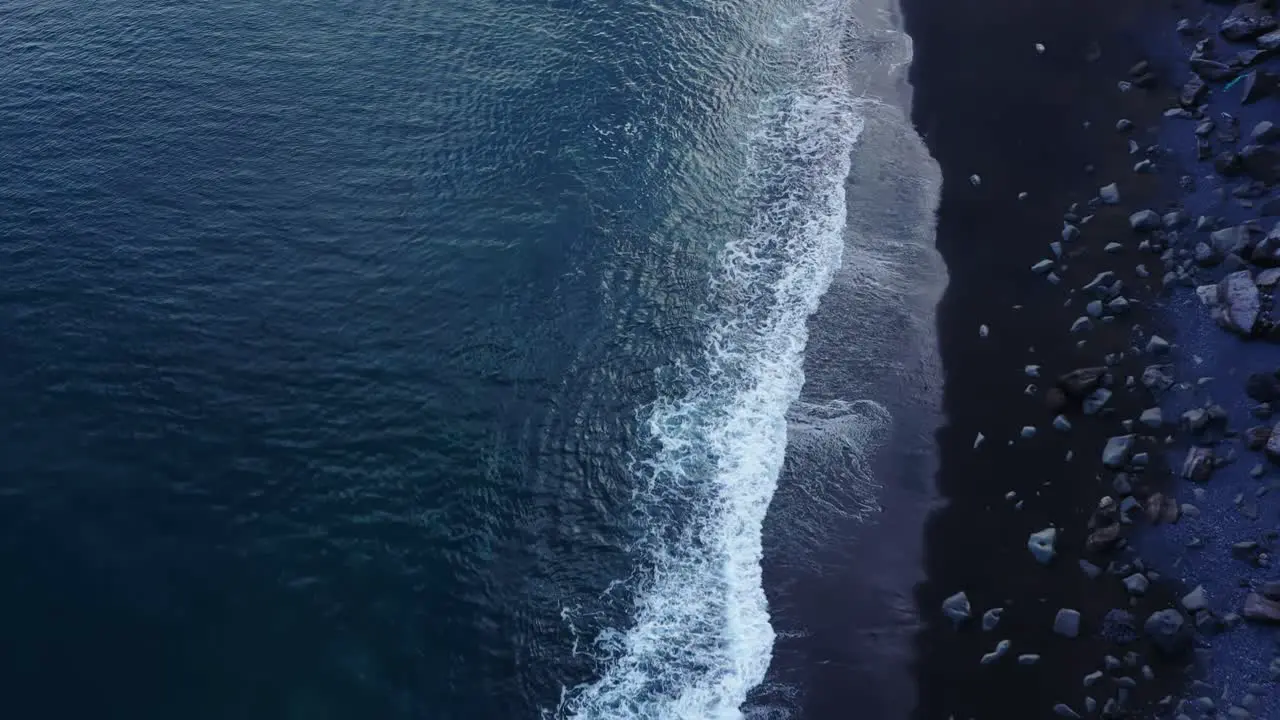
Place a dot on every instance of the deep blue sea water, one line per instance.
(431, 359)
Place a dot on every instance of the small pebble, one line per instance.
(1002, 647)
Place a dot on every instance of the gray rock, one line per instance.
(1082, 381)
(1196, 600)
(1112, 247)
(1272, 446)
(1110, 194)
(1199, 464)
(1101, 283)
(1028, 432)
(1157, 345)
(1041, 545)
(1092, 678)
(1241, 302)
(1094, 309)
(1237, 240)
(1168, 631)
(1061, 424)
(1067, 623)
(1064, 710)
(1069, 232)
(957, 608)
(1152, 417)
(1081, 324)
(1124, 125)
(1260, 608)
(1116, 453)
(1136, 584)
(991, 618)
(1157, 378)
(1265, 132)
(1144, 221)
(1205, 255)
(1043, 267)
(1267, 278)
(1090, 570)
(1118, 306)
(1002, 647)
(1142, 166)
(1096, 400)
(1269, 42)
(1028, 659)
(1247, 20)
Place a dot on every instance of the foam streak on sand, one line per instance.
(700, 638)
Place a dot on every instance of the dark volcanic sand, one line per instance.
(988, 103)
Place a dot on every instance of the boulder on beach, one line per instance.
(1067, 622)
(1265, 132)
(1110, 194)
(1237, 239)
(1198, 465)
(1272, 445)
(1137, 584)
(1168, 631)
(991, 618)
(957, 608)
(1096, 400)
(1145, 221)
(1160, 377)
(1041, 545)
(1101, 283)
(1117, 451)
(1247, 20)
(1268, 278)
(1196, 600)
(1241, 302)
(1260, 608)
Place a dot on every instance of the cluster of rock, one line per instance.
(1235, 270)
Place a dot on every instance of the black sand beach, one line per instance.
(1016, 98)
(990, 104)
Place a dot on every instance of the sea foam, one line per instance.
(700, 638)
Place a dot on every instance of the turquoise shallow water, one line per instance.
(405, 360)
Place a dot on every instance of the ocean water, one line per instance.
(450, 359)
